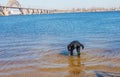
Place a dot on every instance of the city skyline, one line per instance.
(64, 4)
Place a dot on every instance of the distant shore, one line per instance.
(74, 10)
(87, 10)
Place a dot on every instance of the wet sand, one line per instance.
(92, 63)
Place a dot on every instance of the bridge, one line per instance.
(14, 4)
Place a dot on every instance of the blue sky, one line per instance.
(66, 4)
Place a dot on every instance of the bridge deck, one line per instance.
(20, 8)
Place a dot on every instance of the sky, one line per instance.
(66, 4)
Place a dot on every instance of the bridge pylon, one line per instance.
(13, 3)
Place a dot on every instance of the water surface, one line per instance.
(35, 45)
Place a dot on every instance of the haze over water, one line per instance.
(35, 45)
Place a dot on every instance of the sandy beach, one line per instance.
(56, 64)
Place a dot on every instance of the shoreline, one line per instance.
(9, 12)
(63, 66)
(59, 13)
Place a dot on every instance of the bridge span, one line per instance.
(5, 10)
(14, 4)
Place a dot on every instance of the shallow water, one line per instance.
(35, 45)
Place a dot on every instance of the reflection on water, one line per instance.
(76, 68)
(30, 45)
(54, 64)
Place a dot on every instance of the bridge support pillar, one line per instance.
(24, 11)
(21, 11)
(5, 11)
(40, 11)
(1, 11)
(35, 11)
(30, 11)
